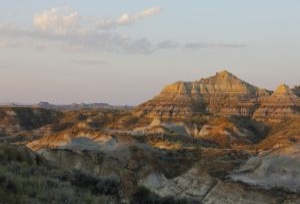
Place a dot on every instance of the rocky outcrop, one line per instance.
(283, 103)
(83, 140)
(230, 132)
(223, 94)
(202, 188)
(175, 101)
(226, 94)
(275, 169)
(14, 120)
(189, 185)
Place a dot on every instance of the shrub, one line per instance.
(22, 182)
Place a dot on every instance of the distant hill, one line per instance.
(73, 106)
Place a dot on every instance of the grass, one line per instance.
(26, 177)
(23, 180)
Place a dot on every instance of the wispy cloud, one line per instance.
(212, 45)
(90, 41)
(56, 20)
(66, 29)
(167, 44)
(126, 19)
(64, 20)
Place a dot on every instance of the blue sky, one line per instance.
(125, 51)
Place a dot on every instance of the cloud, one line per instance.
(94, 41)
(212, 45)
(64, 20)
(74, 41)
(167, 44)
(126, 19)
(56, 20)
(66, 29)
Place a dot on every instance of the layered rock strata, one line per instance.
(283, 103)
(222, 94)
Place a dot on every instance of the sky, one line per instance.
(125, 51)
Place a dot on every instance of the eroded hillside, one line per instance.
(217, 140)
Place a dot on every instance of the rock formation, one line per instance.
(275, 169)
(281, 104)
(17, 119)
(202, 188)
(222, 94)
